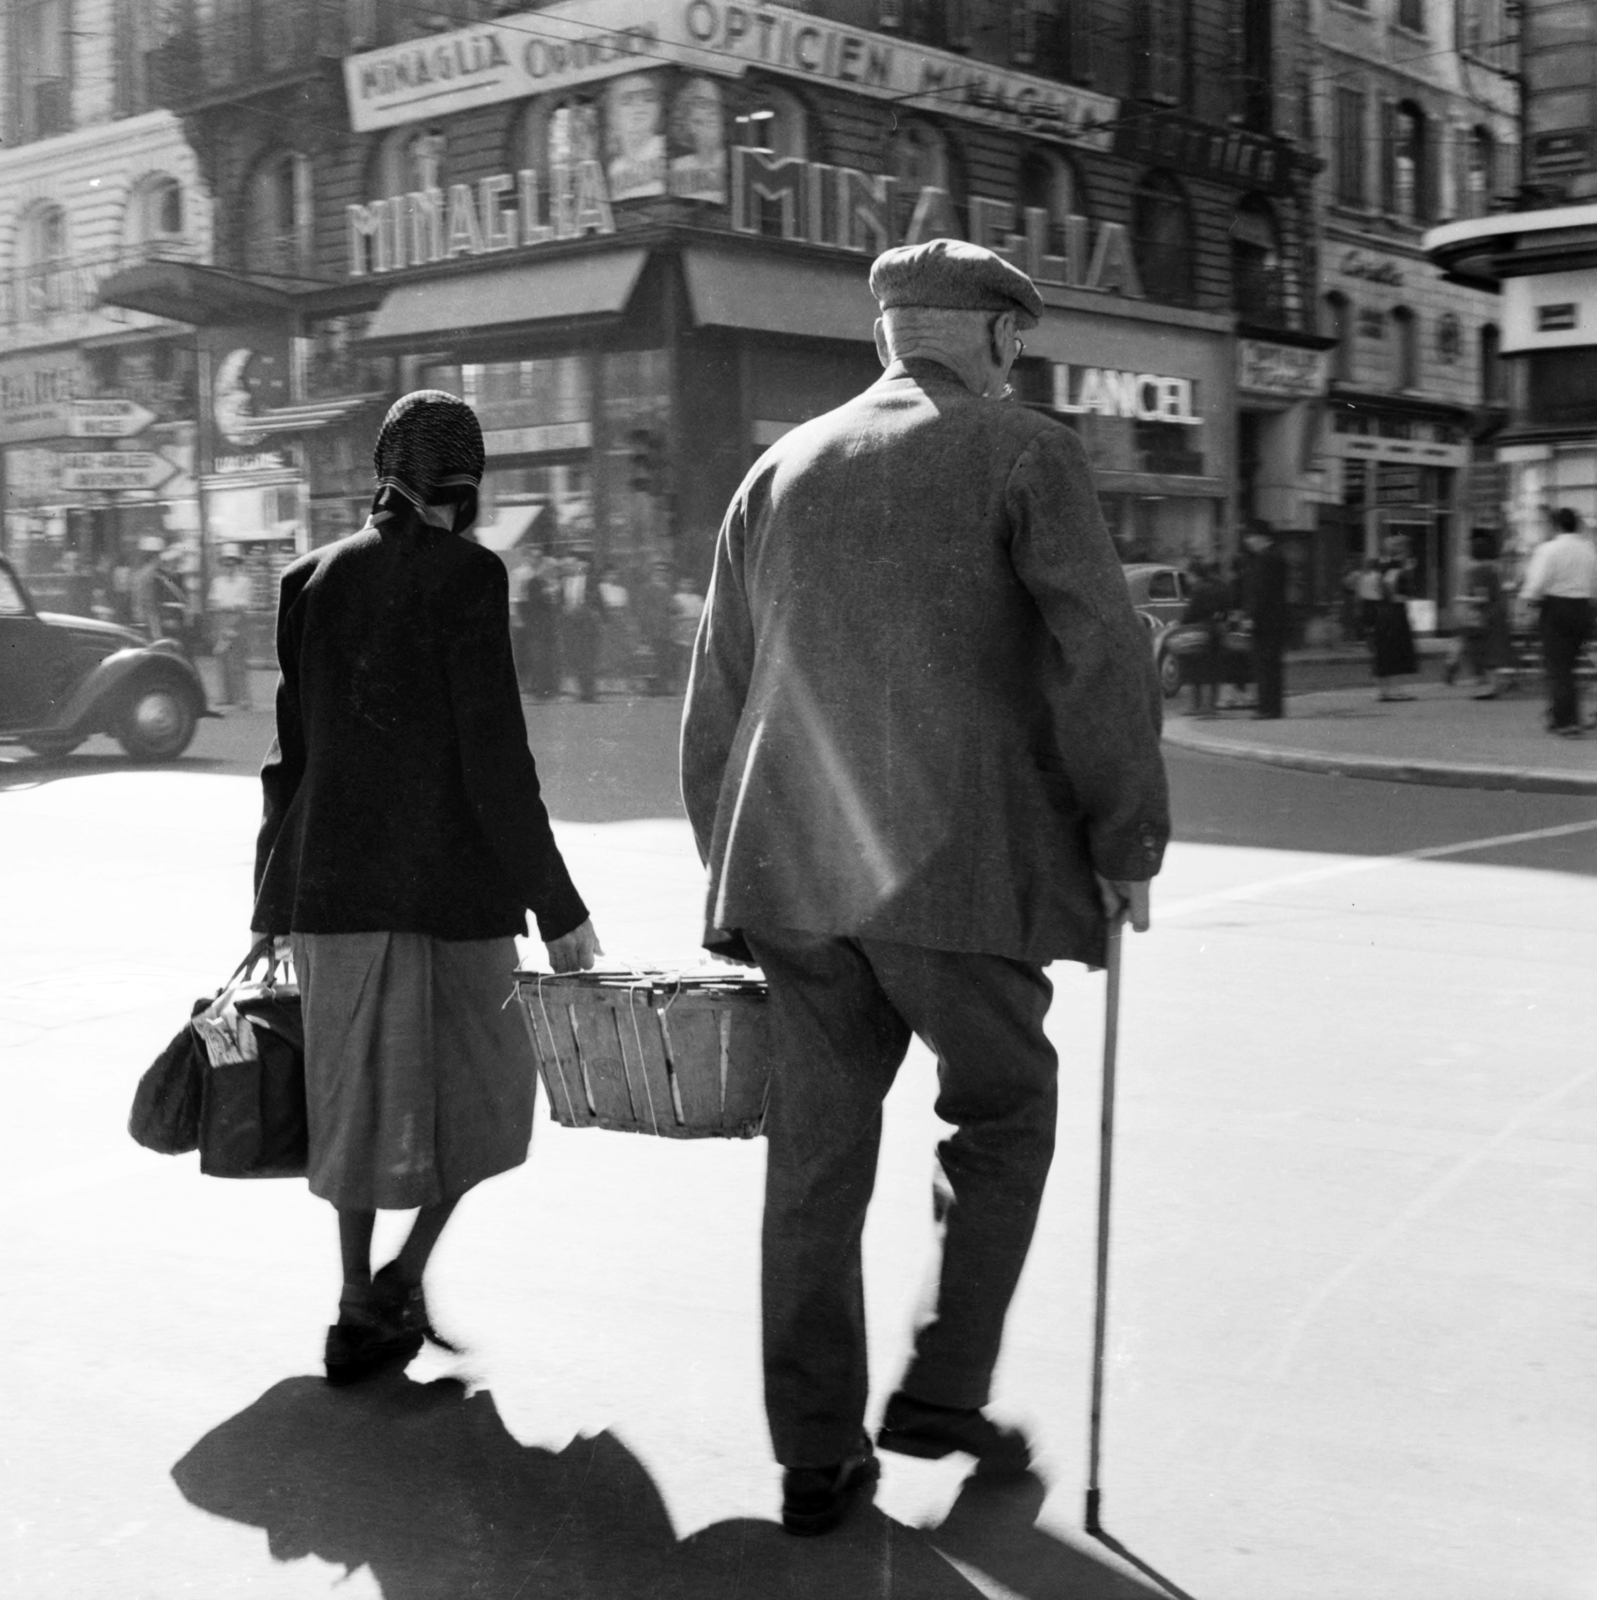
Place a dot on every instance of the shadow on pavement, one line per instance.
(426, 1487)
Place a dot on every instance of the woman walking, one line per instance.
(404, 839)
(1488, 642)
(1393, 638)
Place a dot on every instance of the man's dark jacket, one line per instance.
(1264, 595)
(922, 706)
(400, 792)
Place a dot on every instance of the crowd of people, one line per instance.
(579, 631)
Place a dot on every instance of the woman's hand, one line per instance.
(574, 951)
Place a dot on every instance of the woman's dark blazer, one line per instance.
(400, 793)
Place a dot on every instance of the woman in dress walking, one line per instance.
(403, 841)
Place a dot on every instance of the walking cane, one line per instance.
(1106, 1142)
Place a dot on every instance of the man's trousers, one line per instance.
(843, 1012)
(1565, 624)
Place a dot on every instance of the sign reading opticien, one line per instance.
(583, 41)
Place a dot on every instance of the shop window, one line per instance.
(1339, 325)
(1166, 447)
(1162, 49)
(1052, 37)
(1050, 183)
(1347, 123)
(1254, 57)
(1480, 173)
(1407, 175)
(1256, 262)
(1161, 227)
(277, 236)
(1491, 363)
(774, 121)
(1406, 348)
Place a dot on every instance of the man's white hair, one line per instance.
(911, 328)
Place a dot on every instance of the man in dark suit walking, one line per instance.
(1264, 600)
(921, 757)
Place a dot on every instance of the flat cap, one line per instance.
(955, 276)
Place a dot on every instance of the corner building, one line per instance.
(635, 235)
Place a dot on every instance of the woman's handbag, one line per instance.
(1189, 639)
(252, 1109)
(232, 1083)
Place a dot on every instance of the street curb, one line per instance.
(1533, 780)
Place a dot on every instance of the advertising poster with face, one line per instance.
(698, 142)
(635, 146)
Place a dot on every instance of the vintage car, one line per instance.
(1160, 594)
(63, 678)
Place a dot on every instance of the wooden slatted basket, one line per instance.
(684, 1057)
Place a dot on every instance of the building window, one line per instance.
(1339, 326)
(1479, 172)
(360, 23)
(1161, 228)
(1491, 366)
(277, 238)
(222, 33)
(1162, 49)
(1256, 262)
(1406, 352)
(890, 13)
(1254, 58)
(1411, 15)
(1408, 186)
(42, 277)
(279, 25)
(409, 160)
(153, 222)
(1347, 120)
(1049, 183)
(41, 72)
(773, 121)
(919, 157)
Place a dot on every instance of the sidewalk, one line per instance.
(1442, 736)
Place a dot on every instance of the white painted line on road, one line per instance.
(1350, 865)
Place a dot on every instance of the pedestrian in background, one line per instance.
(229, 604)
(1369, 593)
(1488, 643)
(654, 628)
(523, 579)
(920, 755)
(1561, 578)
(1206, 609)
(1392, 639)
(540, 608)
(617, 646)
(157, 596)
(581, 627)
(1264, 601)
(402, 843)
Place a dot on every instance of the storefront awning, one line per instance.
(570, 289)
(806, 298)
(187, 291)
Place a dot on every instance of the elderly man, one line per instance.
(920, 754)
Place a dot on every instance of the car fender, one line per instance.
(117, 671)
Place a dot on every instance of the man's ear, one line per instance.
(883, 354)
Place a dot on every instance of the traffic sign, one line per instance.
(107, 419)
(114, 469)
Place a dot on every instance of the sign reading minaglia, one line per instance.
(584, 41)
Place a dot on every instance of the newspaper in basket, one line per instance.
(683, 1057)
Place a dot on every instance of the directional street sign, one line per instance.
(107, 419)
(114, 469)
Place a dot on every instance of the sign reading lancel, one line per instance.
(583, 41)
(1139, 396)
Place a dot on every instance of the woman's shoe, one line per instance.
(405, 1306)
(364, 1342)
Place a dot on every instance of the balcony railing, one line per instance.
(41, 294)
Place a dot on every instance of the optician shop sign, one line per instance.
(575, 42)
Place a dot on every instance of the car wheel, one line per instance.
(54, 747)
(159, 722)
(1169, 674)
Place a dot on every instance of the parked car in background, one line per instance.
(1160, 594)
(63, 678)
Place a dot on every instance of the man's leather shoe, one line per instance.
(914, 1428)
(816, 1499)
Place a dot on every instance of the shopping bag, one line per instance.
(252, 1105)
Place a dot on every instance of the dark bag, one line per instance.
(252, 1111)
(166, 1105)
